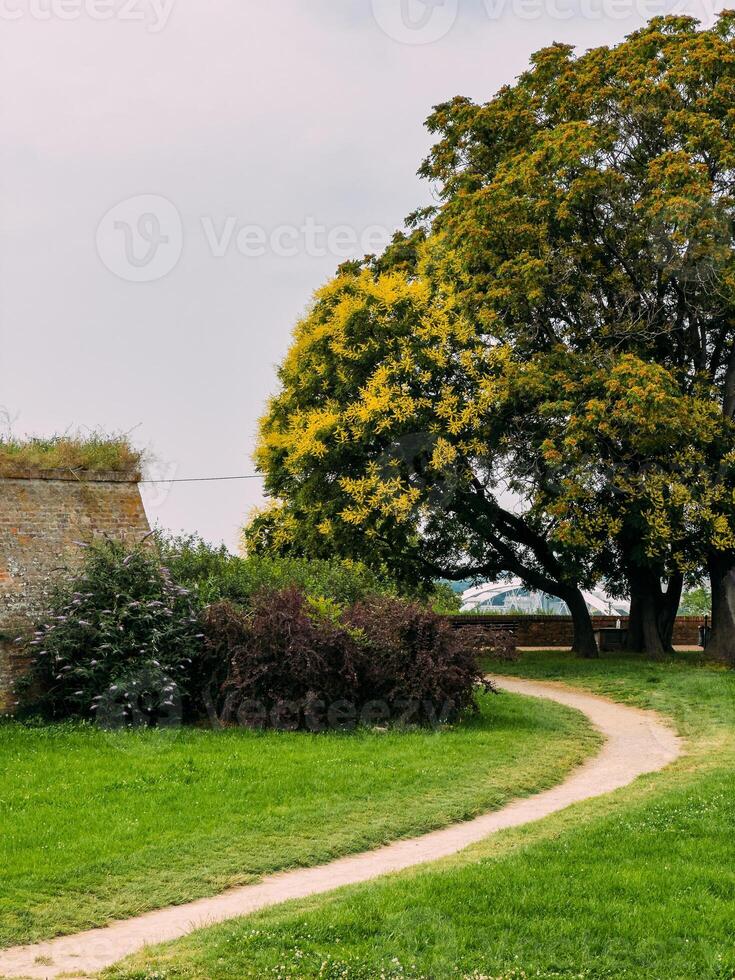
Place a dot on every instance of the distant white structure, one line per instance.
(513, 596)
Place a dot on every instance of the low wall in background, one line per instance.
(45, 519)
(557, 631)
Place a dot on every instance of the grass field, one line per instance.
(638, 884)
(99, 825)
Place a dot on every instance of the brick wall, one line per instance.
(45, 518)
(556, 631)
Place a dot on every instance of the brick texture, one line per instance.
(557, 631)
(45, 519)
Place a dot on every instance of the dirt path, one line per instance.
(637, 742)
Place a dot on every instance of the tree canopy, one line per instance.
(539, 376)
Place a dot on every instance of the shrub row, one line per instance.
(135, 638)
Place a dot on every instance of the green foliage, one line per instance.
(587, 225)
(93, 453)
(214, 574)
(444, 600)
(696, 602)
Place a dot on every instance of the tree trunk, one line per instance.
(668, 608)
(722, 577)
(634, 639)
(721, 565)
(652, 612)
(652, 642)
(643, 636)
(584, 635)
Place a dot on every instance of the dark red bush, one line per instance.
(291, 664)
(501, 645)
(414, 662)
(288, 663)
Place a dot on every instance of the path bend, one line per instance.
(636, 742)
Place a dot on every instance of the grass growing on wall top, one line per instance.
(94, 453)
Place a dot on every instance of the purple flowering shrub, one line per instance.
(120, 643)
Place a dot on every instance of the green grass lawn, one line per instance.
(638, 884)
(99, 825)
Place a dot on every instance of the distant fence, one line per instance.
(557, 631)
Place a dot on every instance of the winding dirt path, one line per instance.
(637, 742)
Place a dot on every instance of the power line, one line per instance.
(208, 479)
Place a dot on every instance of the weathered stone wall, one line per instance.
(557, 631)
(45, 518)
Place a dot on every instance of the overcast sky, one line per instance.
(178, 176)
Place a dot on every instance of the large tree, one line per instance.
(589, 208)
(383, 443)
(624, 474)
(583, 239)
